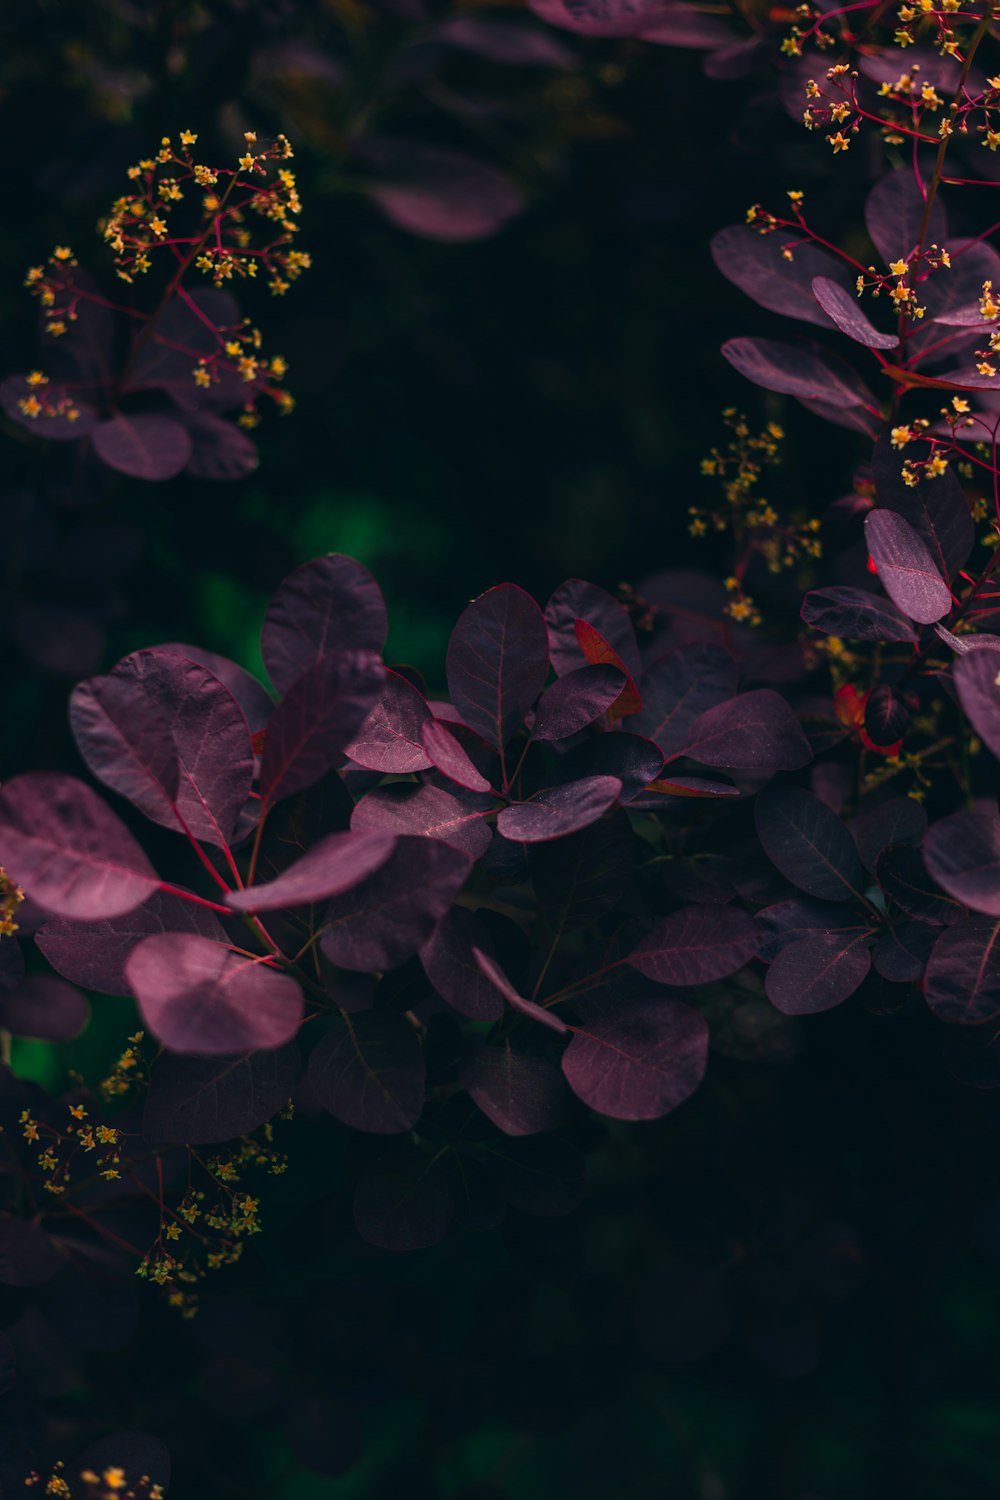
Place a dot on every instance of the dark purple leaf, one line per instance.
(809, 844)
(755, 263)
(451, 758)
(790, 921)
(403, 1203)
(202, 1101)
(427, 812)
(500, 982)
(173, 344)
(252, 696)
(903, 876)
(331, 604)
(520, 1094)
(962, 980)
(696, 945)
(450, 964)
(164, 732)
(559, 811)
(843, 310)
(391, 915)
(886, 716)
(604, 17)
(900, 820)
(390, 738)
(857, 615)
(147, 447)
(576, 600)
(629, 758)
(680, 687)
(316, 720)
(93, 954)
(197, 996)
(441, 194)
(977, 682)
(809, 374)
(219, 450)
(906, 568)
(901, 954)
(44, 1007)
(68, 850)
(935, 508)
(334, 865)
(498, 660)
(640, 1062)
(962, 852)
(579, 878)
(369, 1071)
(576, 700)
(817, 973)
(894, 213)
(53, 421)
(755, 731)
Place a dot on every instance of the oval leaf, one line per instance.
(696, 945)
(329, 604)
(498, 660)
(640, 1062)
(809, 844)
(905, 568)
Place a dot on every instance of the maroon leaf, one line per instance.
(450, 757)
(843, 310)
(640, 1062)
(46, 1008)
(334, 865)
(977, 682)
(696, 945)
(962, 980)
(391, 915)
(576, 700)
(369, 1072)
(331, 604)
(496, 976)
(755, 731)
(679, 687)
(806, 373)
(390, 738)
(441, 194)
(962, 853)
(93, 954)
(816, 973)
(148, 447)
(198, 996)
(600, 652)
(756, 264)
(521, 1095)
(316, 720)
(69, 851)
(857, 615)
(426, 812)
(449, 961)
(905, 567)
(202, 1101)
(894, 213)
(559, 811)
(809, 844)
(576, 600)
(498, 659)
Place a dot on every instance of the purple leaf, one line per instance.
(202, 1101)
(579, 878)
(369, 1072)
(498, 660)
(521, 1095)
(316, 720)
(809, 844)
(755, 731)
(426, 812)
(559, 811)
(391, 915)
(403, 1202)
(172, 344)
(843, 309)
(962, 852)
(682, 786)
(790, 921)
(696, 945)
(334, 865)
(93, 954)
(901, 954)
(977, 682)
(816, 973)
(962, 980)
(640, 1062)
(809, 374)
(856, 615)
(496, 976)
(198, 996)
(576, 700)
(960, 644)
(331, 604)
(218, 449)
(627, 757)
(894, 213)
(168, 735)
(678, 688)
(46, 1008)
(754, 262)
(886, 716)
(905, 568)
(441, 194)
(576, 600)
(143, 447)
(935, 508)
(900, 820)
(904, 878)
(53, 420)
(252, 696)
(450, 757)
(450, 964)
(390, 738)
(68, 850)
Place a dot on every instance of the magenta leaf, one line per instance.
(46, 1008)
(962, 852)
(843, 310)
(426, 812)
(962, 979)
(755, 263)
(368, 1071)
(755, 731)
(894, 213)
(817, 972)
(498, 660)
(905, 567)
(168, 735)
(559, 811)
(498, 979)
(451, 758)
(390, 738)
(68, 850)
(977, 682)
(856, 615)
(198, 996)
(450, 964)
(809, 374)
(334, 865)
(93, 954)
(331, 604)
(696, 945)
(576, 700)
(441, 194)
(639, 1062)
(679, 687)
(936, 508)
(577, 600)
(316, 720)
(201, 1101)
(148, 447)
(809, 844)
(520, 1094)
(403, 1202)
(579, 878)
(391, 915)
